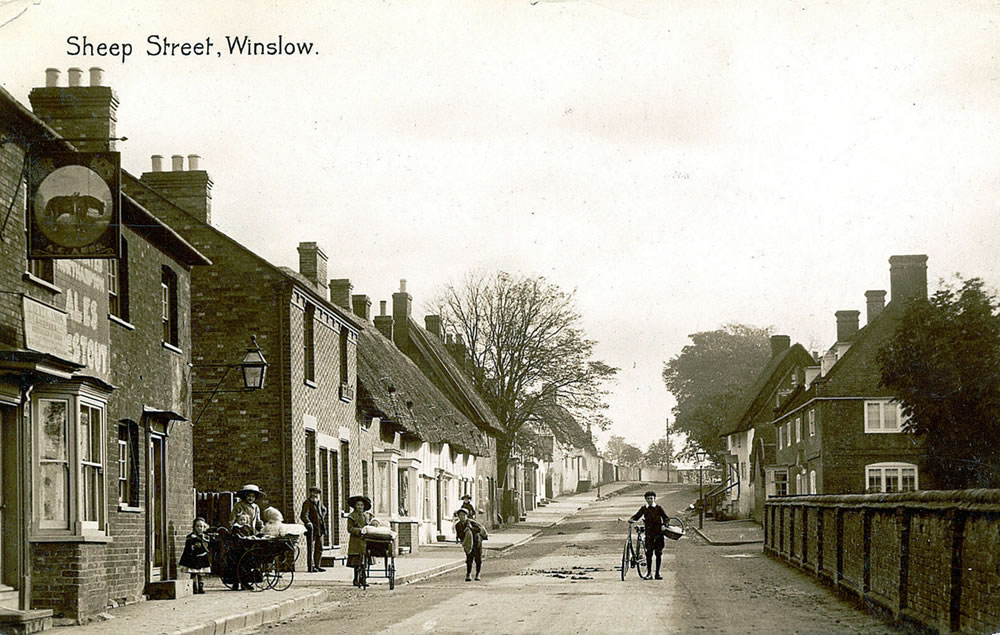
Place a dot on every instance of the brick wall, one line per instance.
(70, 578)
(929, 558)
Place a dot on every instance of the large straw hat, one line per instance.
(249, 488)
(352, 501)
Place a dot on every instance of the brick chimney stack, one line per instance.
(433, 324)
(907, 277)
(383, 322)
(847, 324)
(190, 189)
(362, 307)
(312, 265)
(85, 114)
(340, 291)
(780, 344)
(876, 302)
(402, 304)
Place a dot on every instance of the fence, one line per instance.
(930, 558)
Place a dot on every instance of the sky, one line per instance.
(680, 165)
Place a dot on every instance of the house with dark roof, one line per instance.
(425, 450)
(750, 433)
(95, 399)
(840, 431)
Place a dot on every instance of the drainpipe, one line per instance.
(282, 306)
(25, 502)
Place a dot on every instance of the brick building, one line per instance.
(94, 386)
(841, 432)
(300, 429)
(751, 435)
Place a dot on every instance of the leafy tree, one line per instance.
(528, 349)
(707, 379)
(943, 363)
(621, 452)
(660, 453)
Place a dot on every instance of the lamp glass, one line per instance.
(254, 368)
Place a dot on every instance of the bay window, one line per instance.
(68, 461)
(891, 477)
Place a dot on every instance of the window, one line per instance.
(364, 478)
(345, 460)
(882, 417)
(404, 492)
(310, 458)
(798, 429)
(168, 305)
(128, 464)
(344, 379)
(308, 343)
(788, 434)
(427, 486)
(812, 482)
(780, 483)
(118, 284)
(68, 463)
(812, 423)
(891, 477)
(43, 269)
(798, 483)
(779, 438)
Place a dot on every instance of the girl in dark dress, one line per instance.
(195, 557)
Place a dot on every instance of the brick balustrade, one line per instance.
(930, 558)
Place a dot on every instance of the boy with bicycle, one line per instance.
(654, 519)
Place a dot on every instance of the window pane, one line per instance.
(909, 479)
(891, 416)
(891, 479)
(875, 480)
(54, 484)
(85, 445)
(874, 418)
(53, 415)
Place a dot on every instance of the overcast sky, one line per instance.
(680, 164)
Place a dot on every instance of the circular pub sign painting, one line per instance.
(73, 206)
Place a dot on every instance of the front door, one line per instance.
(156, 498)
(10, 517)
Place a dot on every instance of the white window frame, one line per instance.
(878, 427)
(76, 397)
(812, 481)
(798, 483)
(812, 423)
(880, 470)
(773, 482)
(798, 429)
(788, 433)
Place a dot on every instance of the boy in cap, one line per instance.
(654, 518)
(470, 534)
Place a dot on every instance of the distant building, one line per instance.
(842, 432)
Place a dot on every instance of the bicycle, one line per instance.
(634, 553)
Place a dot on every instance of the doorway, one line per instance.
(156, 499)
(10, 508)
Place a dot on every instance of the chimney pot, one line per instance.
(52, 77)
(876, 303)
(402, 286)
(779, 344)
(847, 324)
(177, 163)
(193, 160)
(157, 162)
(96, 76)
(75, 76)
(381, 307)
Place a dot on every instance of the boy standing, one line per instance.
(654, 518)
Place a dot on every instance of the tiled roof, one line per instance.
(391, 386)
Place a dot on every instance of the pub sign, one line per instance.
(74, 208)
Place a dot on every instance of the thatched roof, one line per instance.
(391, 387)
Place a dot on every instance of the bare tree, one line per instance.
(528, 350)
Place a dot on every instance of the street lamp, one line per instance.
(701, 455)
(253, 367)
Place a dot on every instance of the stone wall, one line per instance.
(930, 558)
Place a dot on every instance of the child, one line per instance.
(654, 518)
(241, 526)
(357, 520)
(471, 535)
(195, 557)
(276, 527)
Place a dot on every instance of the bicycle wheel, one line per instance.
(626, 558)
(642, 564)
(249, 572)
